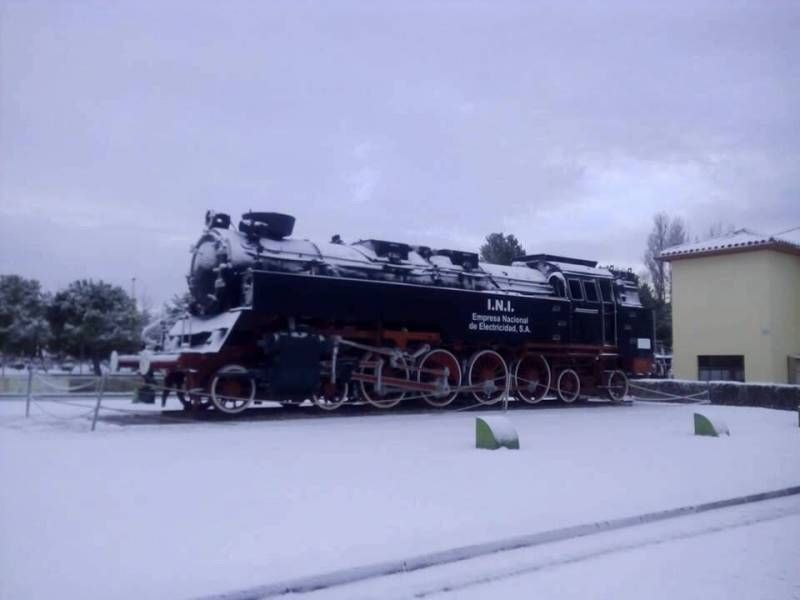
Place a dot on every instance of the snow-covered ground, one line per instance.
(744, 552)
(172, 511)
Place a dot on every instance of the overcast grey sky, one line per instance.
(567, 124)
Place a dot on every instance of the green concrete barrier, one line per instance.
(492, 433)
(704, 425)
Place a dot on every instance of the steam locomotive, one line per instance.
(278, 318)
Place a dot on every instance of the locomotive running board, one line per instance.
(331, 579)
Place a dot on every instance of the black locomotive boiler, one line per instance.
(278, 318)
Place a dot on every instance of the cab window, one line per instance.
(605, 290)
(575, 289)
(591, 291)
(558, 286)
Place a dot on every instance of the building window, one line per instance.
(575, 289)
(720, 368)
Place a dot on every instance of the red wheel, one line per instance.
(379, 393)
(232, 389)
(617, 386)
(487, 376)
(532, 378)
(568, 386)
(441, 368)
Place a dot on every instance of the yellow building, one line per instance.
(736, 308)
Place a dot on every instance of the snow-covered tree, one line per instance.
(176, 307)
(156, 329)
(89, 319)
(501, 249)
(24, 329)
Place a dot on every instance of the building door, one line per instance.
(794, 370)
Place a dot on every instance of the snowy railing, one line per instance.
(732, 393)
(656, 395)
(47, 383)
(35, 386)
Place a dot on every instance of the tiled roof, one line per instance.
(741, 239)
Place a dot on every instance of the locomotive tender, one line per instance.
(379, 322)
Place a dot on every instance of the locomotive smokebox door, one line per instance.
(293, 363)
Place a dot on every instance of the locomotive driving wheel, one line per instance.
(440, 368)
(487, 375)
(232, 389)
(532, 378)
(617, 386)
(378, 392)
(568, 386)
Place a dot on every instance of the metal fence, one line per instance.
(35, 386)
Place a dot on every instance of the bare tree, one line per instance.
(666, 232)
(656, 242)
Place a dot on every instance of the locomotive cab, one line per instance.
(636, 326)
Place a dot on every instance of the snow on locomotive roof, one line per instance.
(574, 266)
(344, 255)
(444, 261)
(552, 258)
(520, 272)
(302, 248)
(518, 278)
(583, 270)
(383, 252)
(371, 253)
(224, 254)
